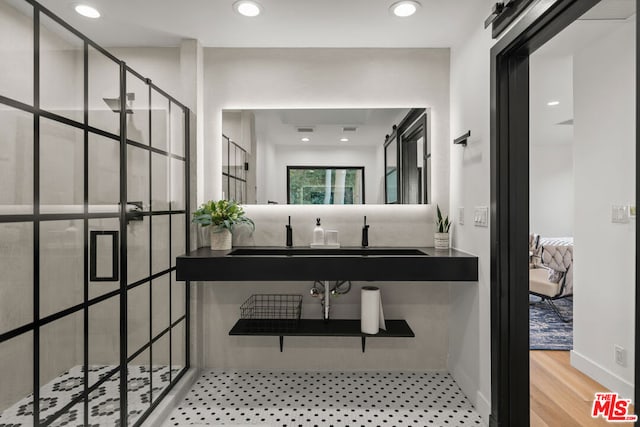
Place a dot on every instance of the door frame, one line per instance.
(510, 205)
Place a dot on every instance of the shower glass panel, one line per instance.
(104, 92)
(16, 160)
(160, 171)
(61, 70)
(16, 371)
(16, 276)
(139, 386)
(160, 364)
(138, 318)
(104, 174)
(159, 121)
(137, 110)
(61, 265)
(160, 248)
(16, 50)
(177, 132)
(160, 306)
(62, 174)
(61, 364)
(83, 201)
(104, 339)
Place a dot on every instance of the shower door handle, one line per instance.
(103, 256)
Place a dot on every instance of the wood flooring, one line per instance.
(561, 395)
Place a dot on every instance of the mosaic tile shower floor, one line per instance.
(321, 399)
(104, 402)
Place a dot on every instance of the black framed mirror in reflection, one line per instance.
(326, 156)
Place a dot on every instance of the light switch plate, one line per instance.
(461, 215)
(481, 216)
(619, 214)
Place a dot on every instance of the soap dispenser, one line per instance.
(289, 234)
(318, 233)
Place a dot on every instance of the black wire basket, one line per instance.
(272, 313)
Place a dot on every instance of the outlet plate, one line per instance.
(461, 215)
(620, 355)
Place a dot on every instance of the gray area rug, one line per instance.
(546, 330)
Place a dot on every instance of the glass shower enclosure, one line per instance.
(94, 328)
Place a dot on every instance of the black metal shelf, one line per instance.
(319, 327)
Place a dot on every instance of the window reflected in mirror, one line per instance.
(314, 185)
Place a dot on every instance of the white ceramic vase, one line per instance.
(221, 238)
(441, 240)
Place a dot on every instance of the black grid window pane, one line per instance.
(104, 92)
(178, 348)
(61, 365)
(137, 110)
(104, 403)
(160, 194)
(16, 276)
(103, 339)
(16, 371)
(178, 243)
(16, 173)
(138, 318)
(177, 185)
(161, 237)
(178, 298)
(160, 121)
(177, 124)
(104, 174)
(160, 364)
(62, 173)
(16, 49)
(61, 265)
(139, 386)
(160, 306)
(138, 250)
(61, 70)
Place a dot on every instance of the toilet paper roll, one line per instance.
(371, 314)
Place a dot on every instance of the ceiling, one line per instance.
(280, 127)
(552, 70)
(283, 23)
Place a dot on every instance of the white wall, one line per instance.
(551, 189)
(604, 79)
(469, 311)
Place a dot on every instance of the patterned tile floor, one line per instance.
(104, 402)
(294, 399)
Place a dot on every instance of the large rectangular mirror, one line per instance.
(326, 156)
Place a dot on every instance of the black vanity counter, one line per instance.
(303, 263)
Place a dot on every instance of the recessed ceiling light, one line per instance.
(553, 103)
(247, 8)
(344, 139)
(404, 8)
(305, 139)
(87, 11)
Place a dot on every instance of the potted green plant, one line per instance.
(441, 237)
(221, 217)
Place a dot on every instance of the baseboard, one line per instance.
(159, 415)
(605, 377)
(470, 389)
(483, 407)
